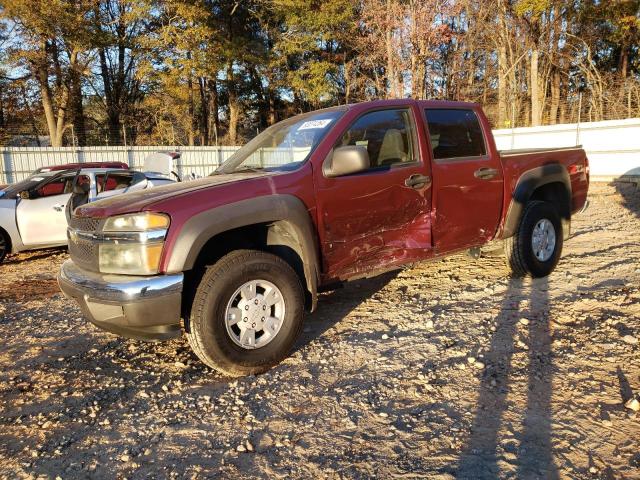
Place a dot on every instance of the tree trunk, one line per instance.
(536, 110)
(272, 116)
(204, 111)
(47, 103)
(234, 107)
(623, 61)
(503, 114)
(555, 97)
(390, 73)
(214, 116)
(56, 121)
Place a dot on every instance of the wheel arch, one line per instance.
(549, 183)
(9, 228)
(279, 224)
(8, 239)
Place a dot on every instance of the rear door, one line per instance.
(373, 219)
(468, 179)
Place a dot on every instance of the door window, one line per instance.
(388, 136)
(57, 186)
(455, 133)
(113, 181)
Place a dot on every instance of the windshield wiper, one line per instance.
(248, 169)
(240, 170)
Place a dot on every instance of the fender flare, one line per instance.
(528, 183)
(288, 211)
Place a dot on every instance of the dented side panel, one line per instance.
(372, 220)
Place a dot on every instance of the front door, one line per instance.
(379, 217)
(468, 185)
(42, 218)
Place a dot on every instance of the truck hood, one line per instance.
(138, 201)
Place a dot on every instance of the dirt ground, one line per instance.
(445, 370)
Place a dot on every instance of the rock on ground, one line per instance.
(548, 399)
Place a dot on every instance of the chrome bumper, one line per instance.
(147, 308)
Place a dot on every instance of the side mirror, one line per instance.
(347, 160)
(25, 195)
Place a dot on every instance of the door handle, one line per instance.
(58, 208)
(485, 173)
(417, 181)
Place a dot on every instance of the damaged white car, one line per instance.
(33, 212)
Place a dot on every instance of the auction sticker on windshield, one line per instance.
(311, 124)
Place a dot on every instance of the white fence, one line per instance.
(613, 148)
(19, 162)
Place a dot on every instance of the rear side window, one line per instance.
(455, 133)
(113, 181)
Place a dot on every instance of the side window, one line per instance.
(455, 133)
(55, 187)
(388, 136)
(113, 181)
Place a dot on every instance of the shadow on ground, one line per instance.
(532, 451)
(630, 192)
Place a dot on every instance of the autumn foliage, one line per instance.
(188, 72)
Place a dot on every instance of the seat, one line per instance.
(80, 196)
(392, 149)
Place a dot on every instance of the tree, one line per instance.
(119, 26)
(53, 50)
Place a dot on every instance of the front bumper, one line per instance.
(146, 308)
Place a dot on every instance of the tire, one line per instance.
(207, 329)
(519, 249)
(5, 245)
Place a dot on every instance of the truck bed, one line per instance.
(574, 159)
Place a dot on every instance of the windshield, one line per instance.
(30, 183)
(285, 145)
(12, 191)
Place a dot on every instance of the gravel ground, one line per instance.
(445, 370)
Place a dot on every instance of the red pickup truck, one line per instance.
(236, 259)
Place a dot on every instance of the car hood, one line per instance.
(138, 201)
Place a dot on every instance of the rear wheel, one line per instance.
(247, 313)
(536, 246)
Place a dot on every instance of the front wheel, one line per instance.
(536, 246)
(247, 313)
(5, 245)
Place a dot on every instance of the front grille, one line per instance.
(85, 224)
(84, 253)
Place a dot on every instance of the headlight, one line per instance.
(136, 222)
(132, 244)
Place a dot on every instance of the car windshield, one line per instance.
(13, 190)
(285, 145)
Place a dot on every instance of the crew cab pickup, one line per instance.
(234, 260)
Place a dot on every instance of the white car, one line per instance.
(33, 211)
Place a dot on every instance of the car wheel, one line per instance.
(246, 314)
(536, 246)
(5, 245)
